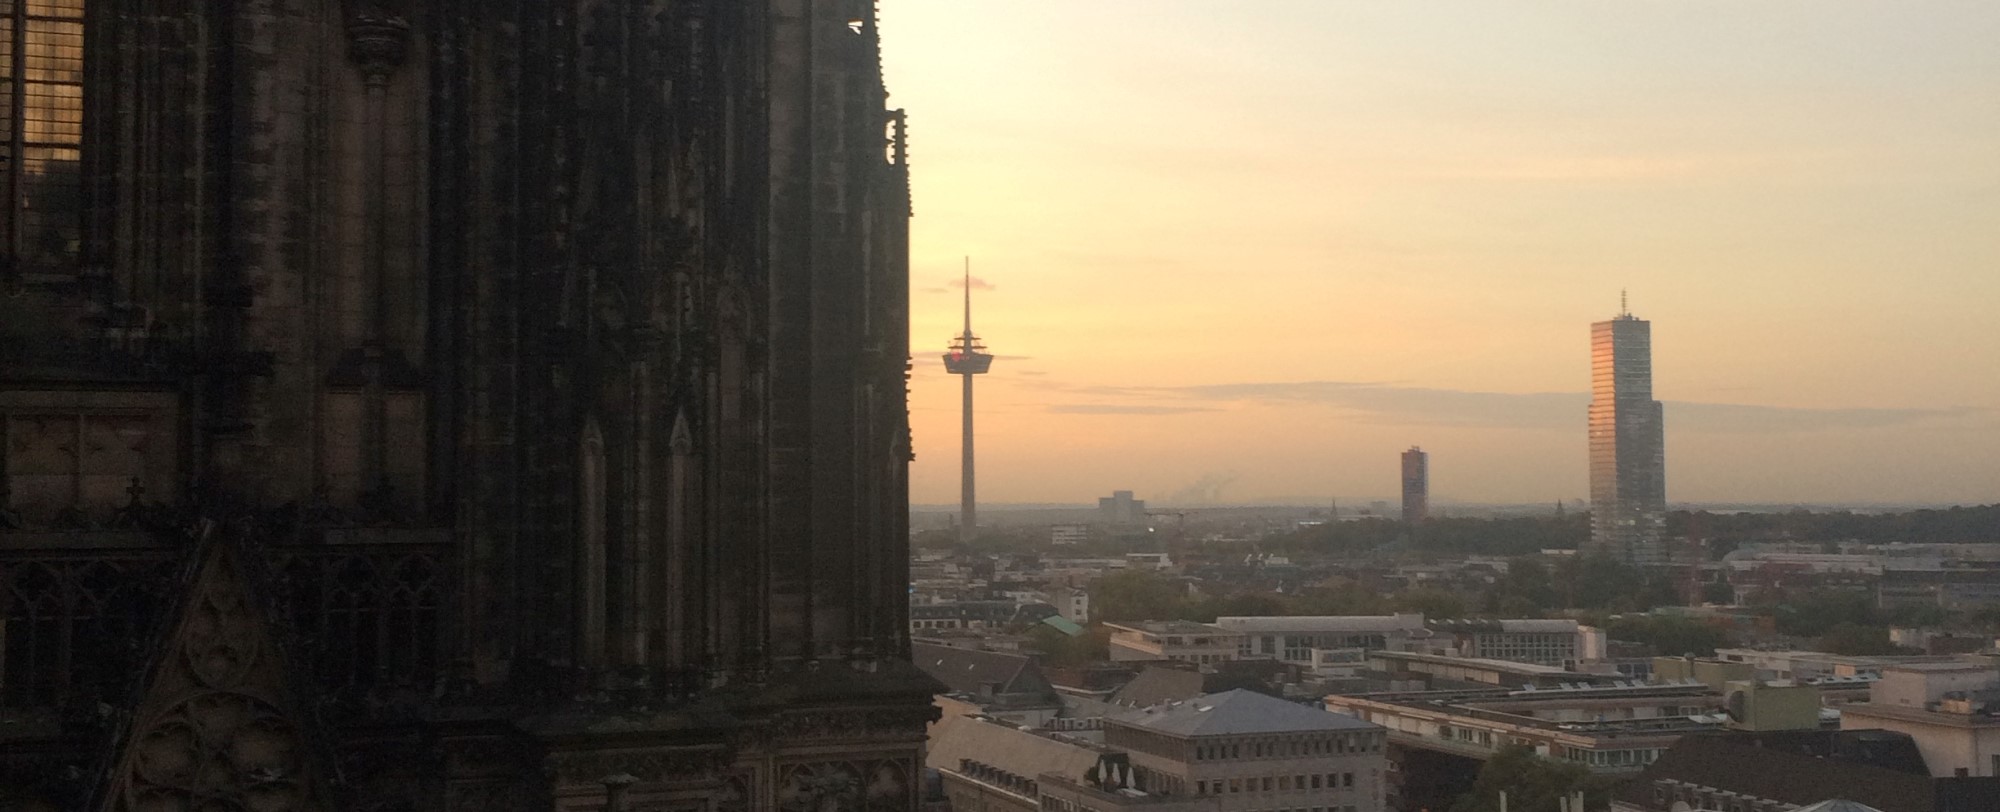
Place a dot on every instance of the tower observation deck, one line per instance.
(968, 357)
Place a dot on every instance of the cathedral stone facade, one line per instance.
(453, 405)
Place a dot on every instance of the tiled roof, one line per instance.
(970, 671)
(1837, 806)
(1157, 685)
(1238, 712)
(1007, 747)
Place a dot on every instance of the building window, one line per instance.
(41, 134)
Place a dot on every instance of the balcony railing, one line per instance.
(360, 610)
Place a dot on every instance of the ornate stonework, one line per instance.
(542, 366)
(378, 37)
(216, 726)
(658, 765)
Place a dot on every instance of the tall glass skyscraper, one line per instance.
(1628, 472)
(1416, 485)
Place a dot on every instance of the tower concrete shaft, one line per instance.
(968, 502)
(966, 359)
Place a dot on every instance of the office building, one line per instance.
(1800, 771)
(1437, 736)
(1628, 479)
(1248, 751)
(1234, 751)
(1309, 640)
(1121, 509)
(1416, 485)
(1177, 640)
(1951, 710)
(454, 406)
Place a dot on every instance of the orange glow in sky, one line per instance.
(1272, 244)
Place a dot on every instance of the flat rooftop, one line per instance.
(1169, 627)
(1323, 623)
(1501, 666)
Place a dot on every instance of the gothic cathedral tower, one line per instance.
(453, 404)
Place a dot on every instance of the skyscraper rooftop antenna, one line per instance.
(968, 298)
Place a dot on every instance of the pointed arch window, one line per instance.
(41, 132)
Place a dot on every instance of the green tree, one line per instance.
(1138, 595)
(1058, 648)
(1602, 582)
(1339, 596)
(1814, 613)
(1668, 636)
(1528, 581)
(1434, 603)
(1532, 784)
(1857, 640)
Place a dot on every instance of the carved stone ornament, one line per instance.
(212, 730)
(378, 38)
(589, 767)
(876, 723)
(840, 786)
(826, 787)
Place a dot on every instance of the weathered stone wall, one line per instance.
(610, 294)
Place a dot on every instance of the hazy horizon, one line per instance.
(1260, 251)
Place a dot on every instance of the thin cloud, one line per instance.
(976, 283)
(937, 359)
(1124, 408)
(1380, 402)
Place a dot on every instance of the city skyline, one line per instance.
(1250, 256)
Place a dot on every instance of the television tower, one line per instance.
(966, 359)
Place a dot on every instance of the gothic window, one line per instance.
(81, 456)
(41, 131)
(66, 624)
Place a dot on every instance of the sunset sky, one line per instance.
(1252, 250)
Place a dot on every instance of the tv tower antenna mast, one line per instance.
(967, 358)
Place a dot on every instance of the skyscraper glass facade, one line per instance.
(1416, 485)
(1628, 478)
